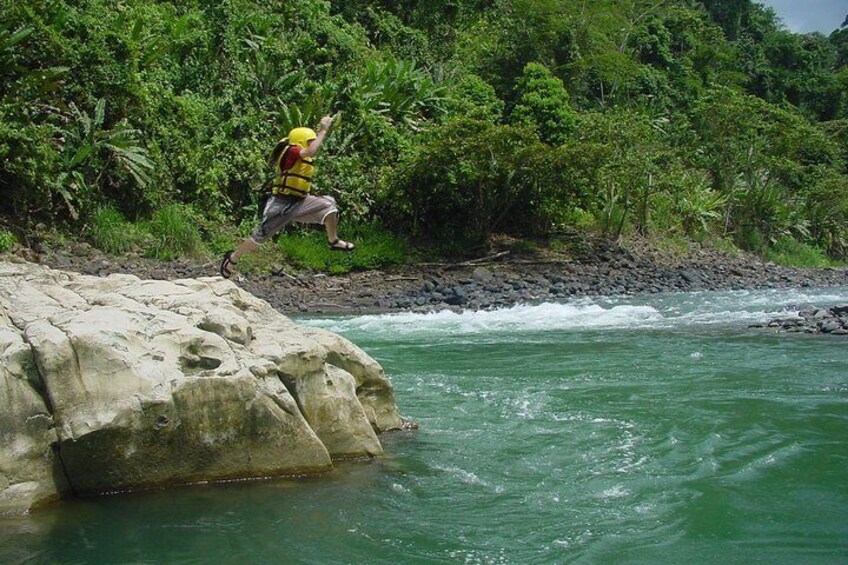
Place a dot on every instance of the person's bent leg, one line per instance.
(330, 219)
(231, 257)
(331, 223)
(247, 246)
(277, 214)
(323, 210)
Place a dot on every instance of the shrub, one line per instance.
(28, 170)
(826, 207)
(750, 239)
(543, 103)
(695, 204)
(175, 233)
(220, 233)
(792, 253)
(471, 97)
(558, 186)
(7, 241)
(461, 182)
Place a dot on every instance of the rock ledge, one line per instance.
(117, 383)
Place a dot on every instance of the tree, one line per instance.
(729, 14)
(631, 169)
(543, 104)
(761, 158)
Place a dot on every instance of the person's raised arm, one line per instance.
(313, 148)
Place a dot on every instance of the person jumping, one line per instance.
(293, 159)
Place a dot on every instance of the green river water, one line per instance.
(658, 429)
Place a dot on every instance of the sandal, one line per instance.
(226, 263)
(341, 245)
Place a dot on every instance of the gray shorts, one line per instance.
(281, 210)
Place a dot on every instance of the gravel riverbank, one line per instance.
(502, 280)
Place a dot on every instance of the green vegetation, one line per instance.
(375, 249)
(175, 233)
(112, 233)
(786, 251)
(704, 121)
(7, 241)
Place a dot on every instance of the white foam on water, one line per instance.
(400, 489)
(521, 318)
(618, 491)
(462, 475)
(657, 311)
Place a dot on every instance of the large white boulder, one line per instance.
(118, 383)
(29, 472)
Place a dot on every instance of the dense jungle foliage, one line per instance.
(457, 119)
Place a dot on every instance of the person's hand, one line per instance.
(326, 121)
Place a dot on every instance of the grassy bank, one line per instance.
(180, 232)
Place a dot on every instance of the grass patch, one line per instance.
(112, 233)
(7, 241)
(175, 233)
(724, 245)
(522, 247)
(674, 245)
(791, 253)
(221, 242)
(375, 248)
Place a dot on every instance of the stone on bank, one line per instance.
(118, 383)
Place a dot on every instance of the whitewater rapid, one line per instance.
(730, 308)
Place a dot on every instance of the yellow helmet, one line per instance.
(301, 137)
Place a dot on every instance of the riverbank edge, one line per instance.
(501, 280)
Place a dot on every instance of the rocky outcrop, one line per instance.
(814, 321)
(119, 383)
(29, 473)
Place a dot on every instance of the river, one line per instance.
(658, 429)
